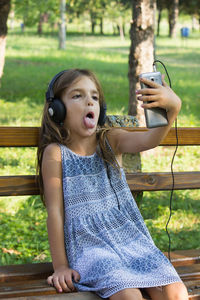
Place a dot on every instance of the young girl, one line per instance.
(98, 239)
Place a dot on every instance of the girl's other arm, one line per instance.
(52, 179)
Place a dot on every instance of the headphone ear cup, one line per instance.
(57, 111)
(102, 115)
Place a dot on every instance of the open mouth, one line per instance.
(89, 120)
(90, 115)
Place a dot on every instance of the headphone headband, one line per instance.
(50, 93)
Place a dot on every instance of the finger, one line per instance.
(163, 81)
(147, 91)
(64, 285)
(57, 284)
(150, 105)
(50, 280)
(70, 284)
(147, 98)
(149, 82)
(76, 276)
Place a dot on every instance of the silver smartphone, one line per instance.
(156, 116)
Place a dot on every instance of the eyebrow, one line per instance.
(82, 90)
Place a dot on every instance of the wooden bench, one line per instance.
(29, 281)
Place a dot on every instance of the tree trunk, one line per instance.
(159, 20)
(93, 22)
(62, 27)
(141, 55)
(4, 11)
(101, 26)
(39, 29)
(121, 28)
(173, 17)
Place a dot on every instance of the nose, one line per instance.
(89, 100)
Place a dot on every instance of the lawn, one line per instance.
(31, 61)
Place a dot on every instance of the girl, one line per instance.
(98, 239)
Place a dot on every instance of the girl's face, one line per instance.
(82, 103)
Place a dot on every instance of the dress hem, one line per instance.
(135, 286)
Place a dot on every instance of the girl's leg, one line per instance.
(156, 293)
(127, 294)
(173, 291)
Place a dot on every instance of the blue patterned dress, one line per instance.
(106, 239)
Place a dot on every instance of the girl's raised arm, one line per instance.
(123, 141)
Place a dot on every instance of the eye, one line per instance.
(76, 96)
(96, 98)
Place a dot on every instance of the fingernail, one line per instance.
(136, 92)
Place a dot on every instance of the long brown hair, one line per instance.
(51, 132)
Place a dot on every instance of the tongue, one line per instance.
(88, 122)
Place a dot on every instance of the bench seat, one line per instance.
(28, 281)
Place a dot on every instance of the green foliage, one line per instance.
(30, 10)
(184, 226)
(23, 234)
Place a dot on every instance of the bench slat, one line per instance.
(189, 272)
(184, 257)
(19, 136)
(40, 287)
(13, 273)
(18, 185)
(28, 136)
(156, 181)
(27, 184)
(64, 296)
(193, 288)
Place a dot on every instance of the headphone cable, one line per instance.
(172, 171)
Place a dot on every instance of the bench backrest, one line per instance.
(154, 181)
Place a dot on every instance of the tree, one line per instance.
(160, 6)
(4, 11)
(141, 55)
(118, 11)
(36, 12)
(62, 29)
(192, 8)
(173, 12)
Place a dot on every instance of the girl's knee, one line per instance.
(127, 294)
(176, 291)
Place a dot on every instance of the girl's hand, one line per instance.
(159, 96)
(61, 279)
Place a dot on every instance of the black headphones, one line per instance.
(57, 110)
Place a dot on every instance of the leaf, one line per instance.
(40, 256)
(11, 251)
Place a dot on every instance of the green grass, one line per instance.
(31, 61)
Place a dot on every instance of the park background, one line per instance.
(32, 60)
